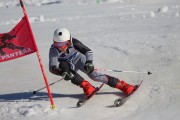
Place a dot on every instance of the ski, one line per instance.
(120, 101)
(81, 102)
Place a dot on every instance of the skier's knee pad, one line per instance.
(77, 80)
(68, 76)
(112, 81)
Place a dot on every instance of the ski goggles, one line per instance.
(62, 45)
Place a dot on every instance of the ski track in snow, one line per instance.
(141, 34)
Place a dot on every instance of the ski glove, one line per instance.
(89, 67)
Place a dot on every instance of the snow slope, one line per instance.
(139, 35)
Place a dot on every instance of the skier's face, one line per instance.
(62, 46)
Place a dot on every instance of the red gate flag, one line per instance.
(17, 43)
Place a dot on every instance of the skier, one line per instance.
(67, 55)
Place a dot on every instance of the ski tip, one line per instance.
(135, 87)
(80, 103)
(118, 102)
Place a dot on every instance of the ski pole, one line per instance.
(108, 70)
(35, 92)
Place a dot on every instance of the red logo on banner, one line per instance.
(17, 43)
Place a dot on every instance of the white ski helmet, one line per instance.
(61, 35)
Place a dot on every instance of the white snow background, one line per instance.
(138, 35)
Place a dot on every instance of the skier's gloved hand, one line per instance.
(67, 76)
(89, 67)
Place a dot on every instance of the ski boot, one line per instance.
(87, 88)
(125, 87)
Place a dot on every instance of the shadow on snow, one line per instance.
(29, 96)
